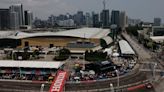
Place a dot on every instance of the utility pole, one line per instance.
(111, 87)
(154, 67)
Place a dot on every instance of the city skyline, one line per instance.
(145, 10)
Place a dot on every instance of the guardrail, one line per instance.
(117, 89)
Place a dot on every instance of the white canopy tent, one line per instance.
(125, 48)
(31, 64)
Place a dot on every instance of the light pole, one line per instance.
(42, 88)
(84, 61)
(155, 65)
(111, 87)
(117, 72)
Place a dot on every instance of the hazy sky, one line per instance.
(144, 9)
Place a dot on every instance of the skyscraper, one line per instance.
(14, 21)
(157, 21)
(18, 8)
(115, 17)
(28, 17)
(95, 19)
(105, 18)
(79, 18)
(4, 19)
(123, 20)
(88, 19)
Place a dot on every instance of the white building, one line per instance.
(123, 20)
(67, 23)
(133, 22)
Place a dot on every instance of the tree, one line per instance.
(132, 30)
(35, 54)
(95, 56)
(63, 54)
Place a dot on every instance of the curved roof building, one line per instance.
(78, 33)
(58, 39)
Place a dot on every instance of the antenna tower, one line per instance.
(104, 4)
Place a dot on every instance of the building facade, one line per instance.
(28, 17)
(88, 19)
(95, 19)
(14, 21)
(157, 21)
(115, 17)
(123, 19)
(105, 18)
(18, 10)
(4, 19)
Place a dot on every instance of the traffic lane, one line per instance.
(106, 84)
(142, 88)
(22, 86)
(138, 48)
(70, 87)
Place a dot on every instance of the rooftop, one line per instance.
(30, 64)
(81, 33)
(125, 47)
(158, 39)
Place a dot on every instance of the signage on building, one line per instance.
(59, 81)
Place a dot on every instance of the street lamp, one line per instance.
(117, 72)
(42, 88)
(84, 61)
(155, 65)
(111, 87)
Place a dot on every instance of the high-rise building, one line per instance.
(157, 21)
(123, 20)
(66, 23)
(133, 22)
(28, 17)
(115, 17)
(88, 19)
(14, 21)
(79, 18)
(4, 19)
(105, 18)
(18, 10)
(95, 19)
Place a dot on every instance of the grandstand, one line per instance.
(28, 70)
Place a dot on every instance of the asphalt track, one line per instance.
(16, 86)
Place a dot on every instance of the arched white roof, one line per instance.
(125, 47)
(31, 64)
(81, 33)
(108, 39)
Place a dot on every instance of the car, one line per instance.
(149, 85)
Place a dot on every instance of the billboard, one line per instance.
(59, 82)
